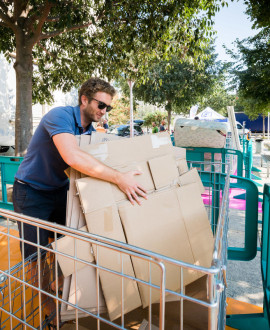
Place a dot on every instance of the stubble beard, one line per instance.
(89, 114)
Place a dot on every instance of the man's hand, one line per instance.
(127, 183)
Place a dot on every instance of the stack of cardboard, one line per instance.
(172, 221)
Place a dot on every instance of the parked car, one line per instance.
(7, 146)
(124, 130)
(137, 122)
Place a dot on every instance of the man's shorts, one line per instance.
(45, 205)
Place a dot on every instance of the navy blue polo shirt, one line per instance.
(43, 167)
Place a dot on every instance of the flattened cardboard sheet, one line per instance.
(179, 153)
(192, 176)
(164, 171)
(158, 226)
(197, 224)
(83, 291)
(122, 152)
(182, 166)
(94, 194)
(106, 222)
(67, 245)
(144, 179)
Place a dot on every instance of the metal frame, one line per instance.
(216, 274)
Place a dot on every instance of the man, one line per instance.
(162, 126)
(154, 129)
(41, 185)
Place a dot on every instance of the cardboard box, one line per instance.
(163, 224)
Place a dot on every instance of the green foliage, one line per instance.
(217, 98)
(120, 113)
(71, 40)
(82, 38)
(151, 117)
(251, 71)
(176, 84)
(259, 11)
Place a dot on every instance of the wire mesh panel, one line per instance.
(104, 292)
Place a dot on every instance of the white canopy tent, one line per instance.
(209, 114)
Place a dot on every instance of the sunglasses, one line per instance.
(102, 105)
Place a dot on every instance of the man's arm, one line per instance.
(85, 163)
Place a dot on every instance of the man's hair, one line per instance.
(94, 85)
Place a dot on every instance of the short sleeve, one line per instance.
(59, 120)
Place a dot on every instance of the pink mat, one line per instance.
(235, 203)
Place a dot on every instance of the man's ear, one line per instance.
(84, 100)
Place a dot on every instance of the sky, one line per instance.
(231, 23)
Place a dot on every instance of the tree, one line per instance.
(217, 98)
(69, 40)
(120, 113)
(251, 71)
(151, 117)
(177, 84)
(259, 11)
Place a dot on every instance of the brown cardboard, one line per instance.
(164, 171)
(197, 224)
(179, 153)
(94, 194)
(106, 222)
(144, 179)
(83, 291)
(67, 245)
(192, 176)
(162, 230)
(162, 224)
(126, 151)
(182, 166)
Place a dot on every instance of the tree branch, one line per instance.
(58, 32)
(45, 12)
(4, 7)
(45, 50)
(53, 19)
(7, 21)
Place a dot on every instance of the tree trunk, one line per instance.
(169, 120)
(168, 108)
(23, 119)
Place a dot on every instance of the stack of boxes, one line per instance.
(172, 222)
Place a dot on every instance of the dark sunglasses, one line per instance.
(102, 105)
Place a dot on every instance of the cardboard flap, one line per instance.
(182, 166)
(192, 176)
(197, 223)
(179, 153)
(144, 179)
(162, 230)
(94, 194)
(125, 151)
(83, 290)
(164, 171)
(106, 222)
(67, 245)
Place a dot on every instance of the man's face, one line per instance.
(91, 110)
